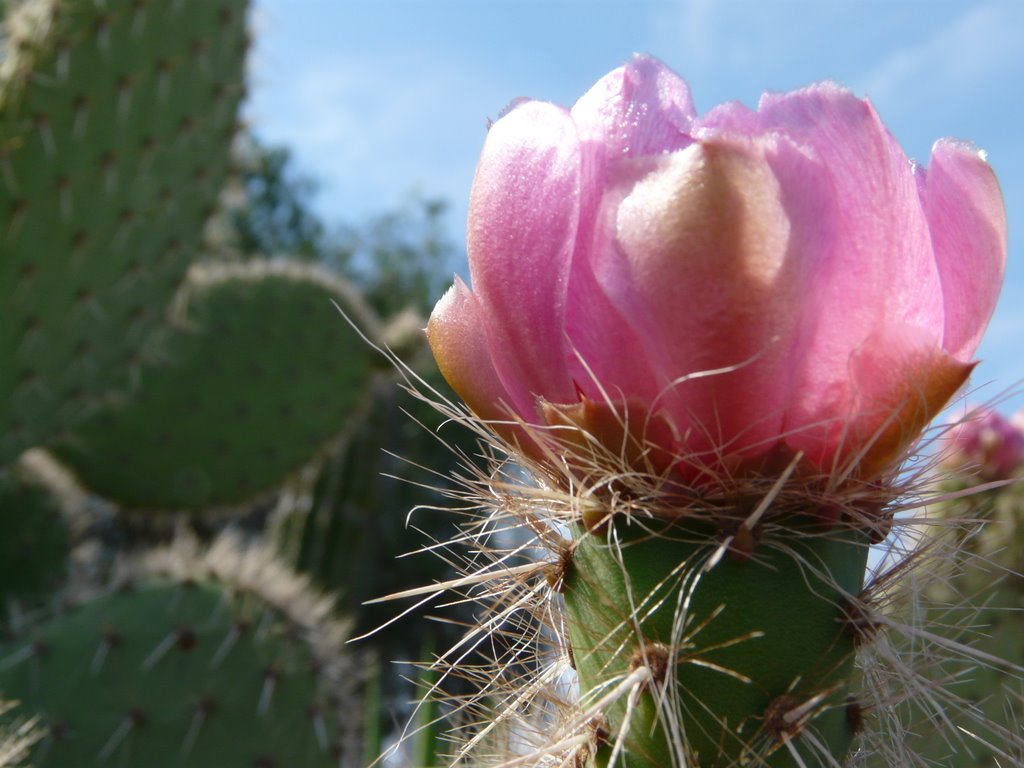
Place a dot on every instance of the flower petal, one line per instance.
(852, 201)
(625, 428)
(641, 108)
(699, 262)
(965, 212)
(523, 216)
(900, 381)
(457, 339)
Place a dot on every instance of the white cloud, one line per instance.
(979, 43)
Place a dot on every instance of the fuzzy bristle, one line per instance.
(524, 519)
(16, 738)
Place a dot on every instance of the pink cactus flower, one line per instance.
(736, 288)
(986, 443)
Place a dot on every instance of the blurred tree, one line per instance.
(275, 215)
(401, 260)
(357, 521)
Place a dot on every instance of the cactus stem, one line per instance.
(657, 653)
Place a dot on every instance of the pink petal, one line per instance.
(638, 109)
(697, 260)
(984, 443)
(605, 355)
(900, 381)
(523, 215)
(625, 428)
(852, 201)
(457, 339)
(964, 206)
(641, 108)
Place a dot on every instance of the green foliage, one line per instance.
(209, 661)
(277, 217)
(169, 385)
(400, 260)
(115, 127)
(256, 374)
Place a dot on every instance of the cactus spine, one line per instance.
(16, 738)
(978, 601)
(631, 622)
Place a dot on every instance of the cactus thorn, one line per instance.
(656, 658)
(861, 619)
(558, 570)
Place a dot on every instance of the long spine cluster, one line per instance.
(611, 633)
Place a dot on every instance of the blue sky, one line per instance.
(383, 98)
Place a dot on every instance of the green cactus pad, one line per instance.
(976, 598)
(371, 503)
(116, 121)
(214, 661)
(34, 539)
(736, 647)
(258, 372)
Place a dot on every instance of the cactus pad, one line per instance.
(257, 372)
(979, 601)
(761, 635)
(216, 660)
(116, 121)
(34, 538)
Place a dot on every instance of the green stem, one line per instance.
(760, 644)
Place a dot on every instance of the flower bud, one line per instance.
(986, 443)
(757, 285)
